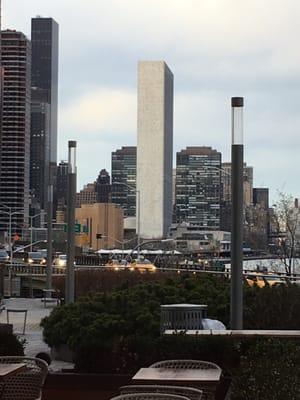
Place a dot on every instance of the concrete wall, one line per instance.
(155, 147)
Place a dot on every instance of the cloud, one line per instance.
(101, 110)
(216, 49)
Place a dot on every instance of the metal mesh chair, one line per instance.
(185, 364)
(149, 396)
(189, 392)
(27, 384)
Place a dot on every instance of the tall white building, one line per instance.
(155, 148)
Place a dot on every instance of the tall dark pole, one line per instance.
(70, 275)
(237, 166)
(49, 231)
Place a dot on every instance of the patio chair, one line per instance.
(189, 392)
(149, 396)
(185, 364)
(26, 385)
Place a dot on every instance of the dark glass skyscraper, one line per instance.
(15, 130)
(103, 187)
(44, 70)
(123, 170)
(44, 85)
(198, 187)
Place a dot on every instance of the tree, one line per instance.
(286, 222)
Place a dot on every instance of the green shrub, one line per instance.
(269, 370)
(119, 331)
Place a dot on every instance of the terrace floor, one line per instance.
(33, 333)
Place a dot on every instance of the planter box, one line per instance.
(73, 386)
(65, 386)
(62, 353)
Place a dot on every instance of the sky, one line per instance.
(216, 49)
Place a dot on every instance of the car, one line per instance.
(261, 280)
(143, 265)
(118, 265)
(35, 257)
(3, 255)
(60, 260)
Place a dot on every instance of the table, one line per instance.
(184, 376)
(205, 379)
(7, 370)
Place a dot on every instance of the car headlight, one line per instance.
(153, 268)
(116, 268)
(30, 260)
(61, 263)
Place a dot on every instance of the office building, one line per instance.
(247, 183)
(103, 187)
(123, 179)
(39, 149)
(198, 187)
(44, 71)
(87, 195)
(155, 148)
(61, 190)
(261, 197)
(105, 219)
(15, 130)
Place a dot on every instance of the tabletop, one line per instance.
(10, 369)
(183, 375)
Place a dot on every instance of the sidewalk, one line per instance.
(33, 333)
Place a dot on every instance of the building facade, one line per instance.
(103, 187)
(87, 195)
(123, 179)
(44, 70)
(15, 130)
(247, 185)
(155, 148)
(61, 190)
(105, 219)
(198, 187)
(261, 197)
(39, 150)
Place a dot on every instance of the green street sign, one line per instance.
(76, 230)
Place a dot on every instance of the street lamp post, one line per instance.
(31, 226)
(10, 213)
(70, 275)
(237, 150)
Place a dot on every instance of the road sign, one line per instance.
(76, 230)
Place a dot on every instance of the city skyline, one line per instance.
(210, 63)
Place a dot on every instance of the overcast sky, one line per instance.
(216, 49)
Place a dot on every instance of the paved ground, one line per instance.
(33, 333)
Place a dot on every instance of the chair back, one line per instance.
(25, 385)
(185, 364)
(189, 392)
(149, 396)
